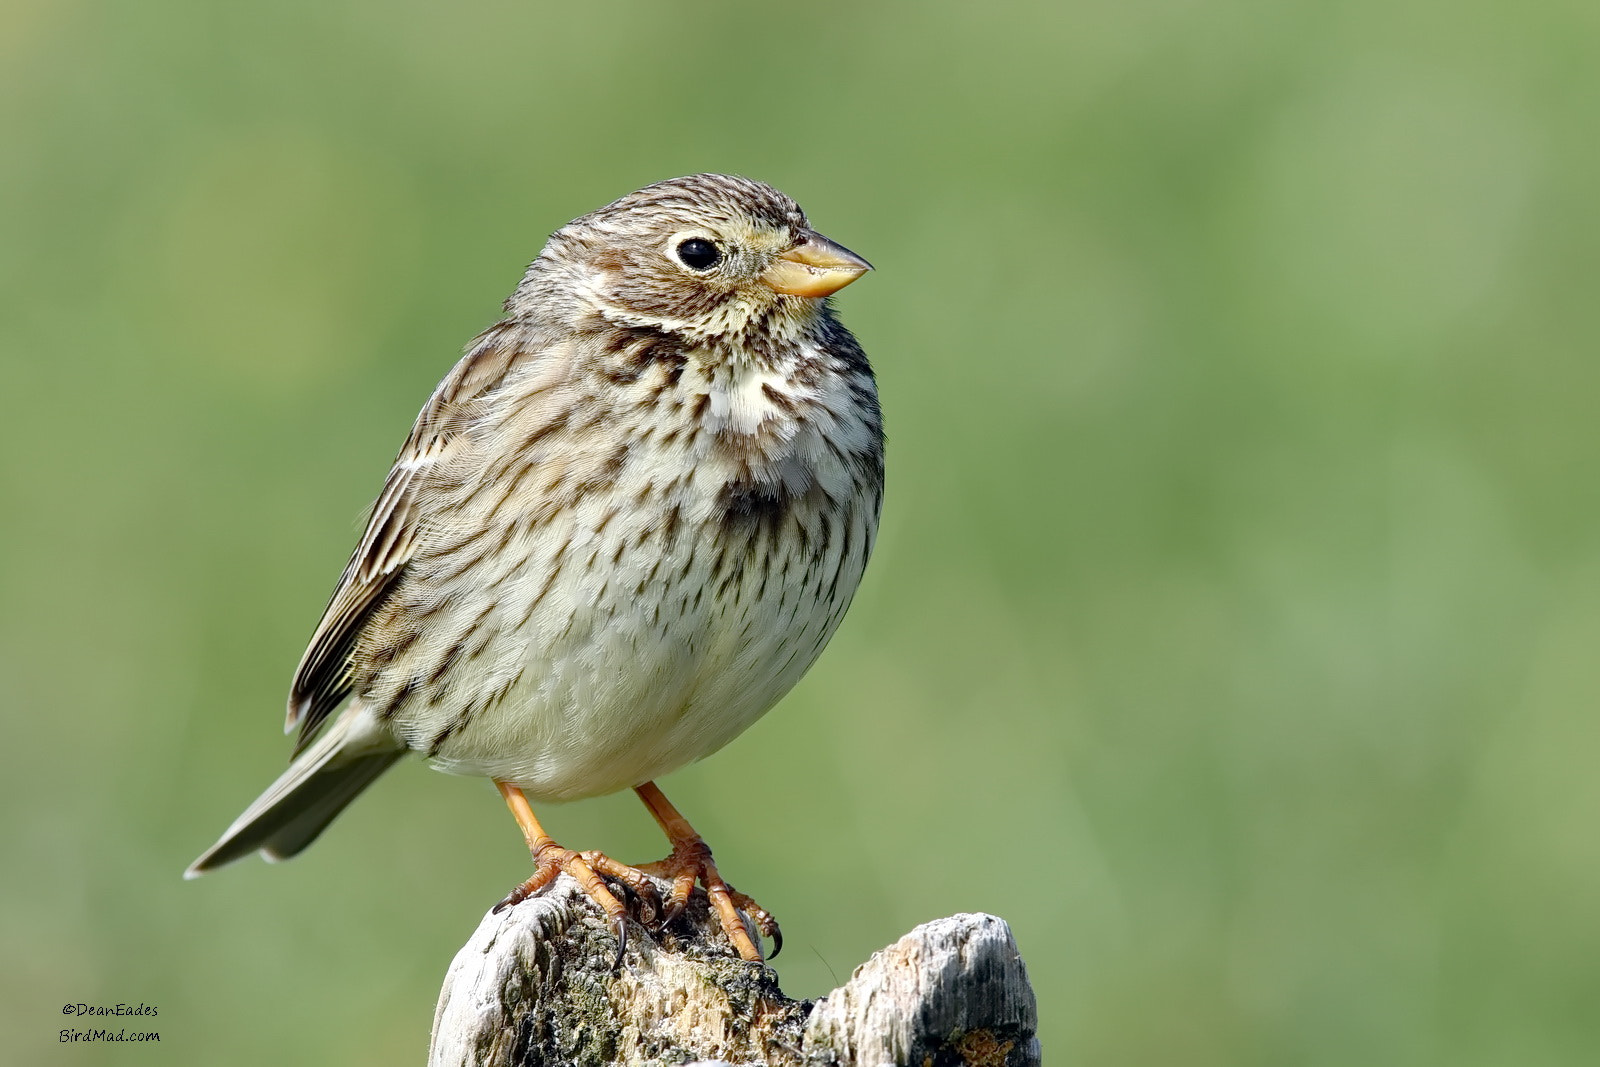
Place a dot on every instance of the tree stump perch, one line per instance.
(534, 985)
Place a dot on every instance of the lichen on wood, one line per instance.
(535, 986)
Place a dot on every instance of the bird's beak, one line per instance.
(815, 267)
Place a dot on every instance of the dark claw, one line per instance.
(777, 942)
(673, 909)
(512, 899)
(619, 926)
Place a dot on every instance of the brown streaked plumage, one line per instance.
(622, 528)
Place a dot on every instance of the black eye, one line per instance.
(699, 254)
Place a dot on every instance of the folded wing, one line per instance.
(394, 530)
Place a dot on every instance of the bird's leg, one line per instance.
(689, 860)
(550, 859)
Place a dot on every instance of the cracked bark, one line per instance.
(534, 986)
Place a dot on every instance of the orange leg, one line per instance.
(550, 859)
(690, 860)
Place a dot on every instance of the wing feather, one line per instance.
(322, 680)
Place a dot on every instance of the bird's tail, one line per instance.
(347, 758)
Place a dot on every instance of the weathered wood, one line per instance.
(534, 986)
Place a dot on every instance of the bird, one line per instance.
(622, 528)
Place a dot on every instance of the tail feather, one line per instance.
(348, 757)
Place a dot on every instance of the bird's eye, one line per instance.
(699, 254)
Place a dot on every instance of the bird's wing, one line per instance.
(322, 680)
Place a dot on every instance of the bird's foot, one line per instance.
(689, 862)
(592, 871)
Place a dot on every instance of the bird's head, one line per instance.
(700, 257)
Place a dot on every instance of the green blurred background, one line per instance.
(1232, 631)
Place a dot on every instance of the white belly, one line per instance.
(620, 648)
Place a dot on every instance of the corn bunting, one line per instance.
(622, 528)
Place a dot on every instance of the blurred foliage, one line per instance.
(1233, 628)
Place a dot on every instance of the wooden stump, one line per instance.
(534, 986)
